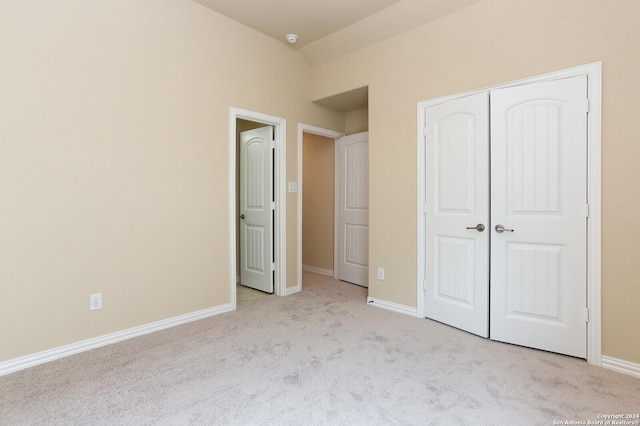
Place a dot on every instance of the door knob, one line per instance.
(500, 229)
(479, 227)
(242, 216)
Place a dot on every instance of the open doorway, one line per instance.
(257, 237)
(318, 203)
(254, 202)
(334, 234)
(354, 104)
(321, 191)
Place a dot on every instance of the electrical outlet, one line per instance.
(95, 301)
(381, 274)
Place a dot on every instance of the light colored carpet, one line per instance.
(244, 294)
(319, 357)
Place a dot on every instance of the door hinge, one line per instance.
(273, 267)
(273, 205)
(586, 315)
(587, 210)
(587, 104)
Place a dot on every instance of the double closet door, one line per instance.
(506, 214)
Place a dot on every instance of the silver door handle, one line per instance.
(479, 227)
(500, 229)
(242, 216)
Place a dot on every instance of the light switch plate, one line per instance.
(293, 187)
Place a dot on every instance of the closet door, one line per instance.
(256, 209)
(539, 215)
(457, 213)
(353, 208)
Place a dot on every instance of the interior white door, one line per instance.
(457, 213)
(538, 195)
(256, 208)
(353, 208)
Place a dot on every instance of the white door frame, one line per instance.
(302, 129)
(594, 238)
(279, 167)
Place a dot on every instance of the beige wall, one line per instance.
(492, 42)
(114, 148)
(318, 179)
(356, 121)
(114, 173)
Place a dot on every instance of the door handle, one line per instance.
(500, 229)
(479, 227)
(242, 216)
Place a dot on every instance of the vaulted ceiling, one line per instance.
(330, 28)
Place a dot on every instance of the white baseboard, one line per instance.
(621, 366)
(395, 307)
(317, 270)
(16, 364)
(293, 290)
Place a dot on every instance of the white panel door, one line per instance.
(457, 221)
(256, 208)
(353, 208)
(538, 194)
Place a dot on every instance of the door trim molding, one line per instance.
(302, 129)
(594, 245)
(279, 167)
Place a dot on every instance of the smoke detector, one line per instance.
(292, 38)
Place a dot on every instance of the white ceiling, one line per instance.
(309, 19)
(330, 28)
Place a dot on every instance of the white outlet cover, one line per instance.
(95, 301)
